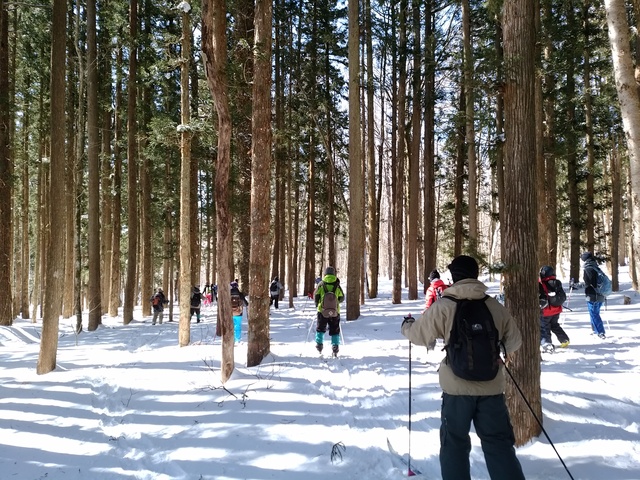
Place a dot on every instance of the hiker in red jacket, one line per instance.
(435, 289)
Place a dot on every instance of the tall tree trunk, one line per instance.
(356, 189)
(398, 171)
(630, 109)
(470, 134)
(414, 160)
(373, 226)
(429, 208)
(55, 247)
(258, 332)
(214, 40)
(541, 191)
(24, 247)
(115, 288)
(41, 213)
(616, 211)
(458, 227)
(132, 175)
(520, 232)
(500, 132)
(93, 159)
(186, 184)
(571, 142)
(6, 232)
(549, 144)
(588, 124)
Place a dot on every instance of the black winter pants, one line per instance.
(492, 424)
(333, 323)
(550, 325)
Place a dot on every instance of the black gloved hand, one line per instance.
(408, 319)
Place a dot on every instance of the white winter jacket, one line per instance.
(436, 322)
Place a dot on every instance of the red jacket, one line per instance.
(543, 291)
(434, 291)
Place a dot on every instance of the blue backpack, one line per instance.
(603, 284)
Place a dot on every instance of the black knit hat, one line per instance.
(433, 275)
(547, 271)
(463, 266)
(586, 256)
(329, 271)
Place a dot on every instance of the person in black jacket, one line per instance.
(594, 299)
(158, 301)
(196, 302)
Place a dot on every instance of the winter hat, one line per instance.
(463, 266)
(159, 290)
(433, 275)
(275, 279)
(234, 284)
(329, 271)
(547, 271)
(586, 256)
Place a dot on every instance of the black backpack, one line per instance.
(273, 288)
(473, 351)
(196, 299)
(560, 296)
(329, 307)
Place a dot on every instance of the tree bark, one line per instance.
(55, 248)
(470, 134)
(414, 160)
(6, 191)
(186, 257)
(356, 189)
(115, 288)
(132, 174)
(93, 160)
(398, 171)
(630, 109)
(258, 331)
(373, 227)
(214, 47)
(520, 232)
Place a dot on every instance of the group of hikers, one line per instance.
(477, 330)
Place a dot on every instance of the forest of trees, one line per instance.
(147, 144)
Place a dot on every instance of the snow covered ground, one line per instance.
(125, 402)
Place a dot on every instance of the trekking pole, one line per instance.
(537, 419)
(313, 320)
(410, 472)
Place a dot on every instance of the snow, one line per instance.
(125, 402)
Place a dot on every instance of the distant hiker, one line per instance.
(214, 291)
(594, 295)
(196, 302)
(238, 302)
(328, 297)
(207, 296)
(480, 400)
(158, 301)
(274, 291)
(436, 287)
(552, 296)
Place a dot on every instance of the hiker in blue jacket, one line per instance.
(328, 315)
